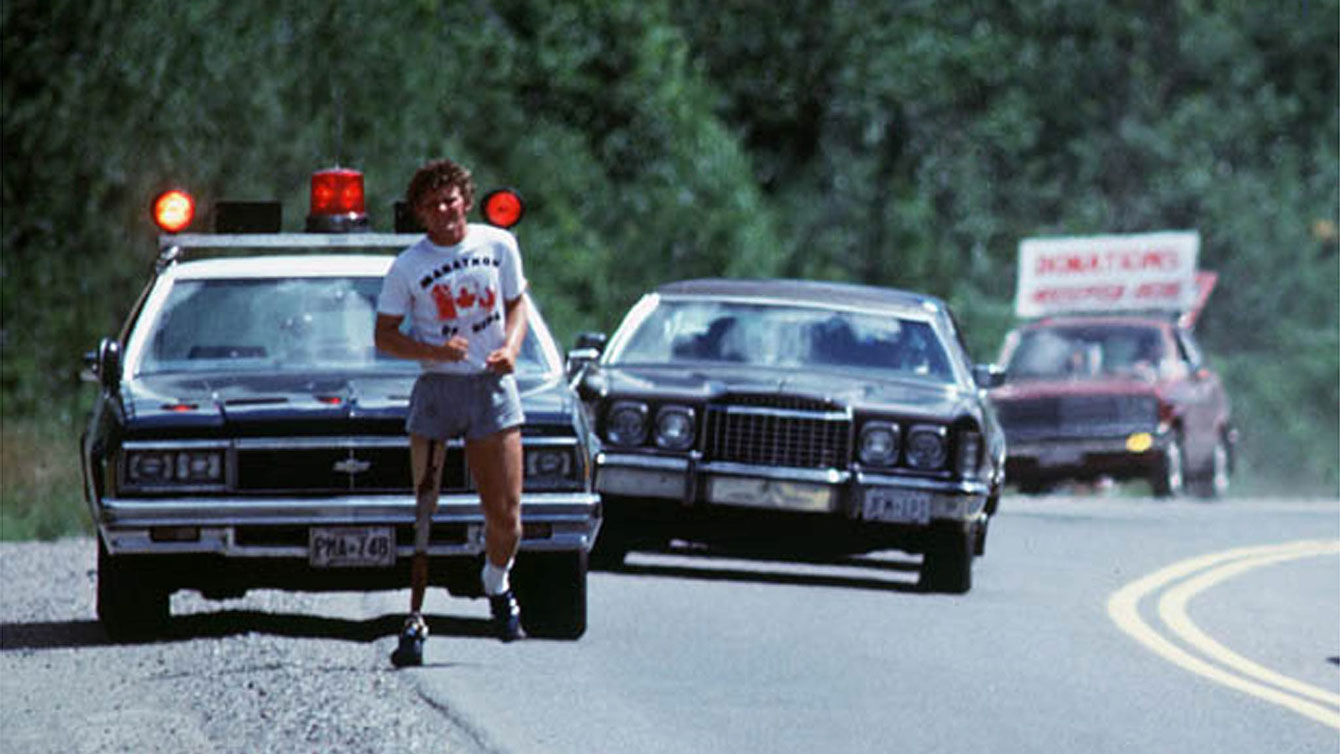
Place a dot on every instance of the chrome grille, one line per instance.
(311, 468)
(778, 432)
(1078, 415)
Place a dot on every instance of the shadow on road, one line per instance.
(89, 633)
(708, 565)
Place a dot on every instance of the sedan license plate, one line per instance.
(352, 546)
(771, 493)
(896, 506)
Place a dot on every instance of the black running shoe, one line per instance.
(412, 637)
(506, 616)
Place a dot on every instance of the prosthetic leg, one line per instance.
(426, 458)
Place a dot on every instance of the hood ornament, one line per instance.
(351, 466)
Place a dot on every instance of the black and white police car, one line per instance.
(247, 434)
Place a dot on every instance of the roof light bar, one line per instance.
(337, 202)
(173, 210)
(503, 208)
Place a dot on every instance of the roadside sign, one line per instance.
(1132, 272)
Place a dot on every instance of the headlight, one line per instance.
(879, 444)
(674, 427)
(926, 447)
(969, 453)
(626, 423)
(548, 463)
(161, 467)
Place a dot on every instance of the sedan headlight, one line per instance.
(626, 423)
(927, 449)
(174, 467)
(546, 466)
(879, 444)
(674, 427)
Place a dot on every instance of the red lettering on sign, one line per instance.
(1080, 263)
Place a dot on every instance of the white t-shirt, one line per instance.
(445, 291)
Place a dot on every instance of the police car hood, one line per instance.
(860, 389)
(249, 401)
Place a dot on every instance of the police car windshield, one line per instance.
(278, 324)
(785, 337)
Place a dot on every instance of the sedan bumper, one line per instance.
(852, 496)
(280, 528)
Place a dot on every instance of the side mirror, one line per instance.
(108, 364)
(579, 359)
(594, 340)
(588, 348)
(988, 376)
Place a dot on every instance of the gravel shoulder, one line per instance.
(272, 672)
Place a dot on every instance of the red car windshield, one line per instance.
(1084, 351)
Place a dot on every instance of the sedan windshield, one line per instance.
(277, 324)
(787, 337)
(1086, 351)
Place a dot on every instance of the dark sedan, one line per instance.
(247, 434)
(793, 418)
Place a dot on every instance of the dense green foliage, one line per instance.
(910, 144)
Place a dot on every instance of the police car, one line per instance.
(247, 433)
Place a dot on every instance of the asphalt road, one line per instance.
(1096, 624)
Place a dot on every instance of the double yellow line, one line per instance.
(1217, 662)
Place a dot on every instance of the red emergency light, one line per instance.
(337, 201)
(503, 208)
(173, 210)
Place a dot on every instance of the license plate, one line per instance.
(352, 546)
(1060, 456)
(771, 493)
(896, 506)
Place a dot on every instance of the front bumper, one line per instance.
(1124, 456)
(277, 528)
(853, 496)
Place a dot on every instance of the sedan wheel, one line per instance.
(131, 605)
(1169, 478)
(1215, 483)
(551, 588)
(947, 563)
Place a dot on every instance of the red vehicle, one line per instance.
(1121, 395)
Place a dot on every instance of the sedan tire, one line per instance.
(1169, 477)
(551, 587)
(131, 605)
(947, 564)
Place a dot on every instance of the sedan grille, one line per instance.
(1078, 416)
(779, 432)
(337, 470)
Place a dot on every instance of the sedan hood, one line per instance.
(243, 403)
(860, 390)
(1029, 389)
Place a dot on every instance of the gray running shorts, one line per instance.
(444, 406)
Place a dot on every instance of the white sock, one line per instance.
(495, 577)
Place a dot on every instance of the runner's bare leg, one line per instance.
(496, 465)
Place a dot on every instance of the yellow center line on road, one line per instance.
(1123, 607)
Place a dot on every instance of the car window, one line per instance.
(277, 324)
(784, 336)
(1086, 351)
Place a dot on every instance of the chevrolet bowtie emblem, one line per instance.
(352, 466)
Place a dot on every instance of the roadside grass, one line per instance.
(40, 495)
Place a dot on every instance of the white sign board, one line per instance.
(1144, 271)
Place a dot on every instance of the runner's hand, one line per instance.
(501, 361)
(454, 349)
